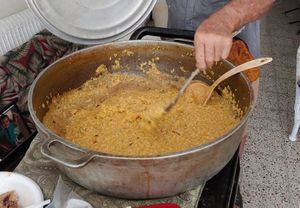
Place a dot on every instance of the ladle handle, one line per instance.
(243, 67)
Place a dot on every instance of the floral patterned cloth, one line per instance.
(19, 67)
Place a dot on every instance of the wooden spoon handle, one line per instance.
(243, 67)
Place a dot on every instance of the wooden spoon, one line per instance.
(243, 67)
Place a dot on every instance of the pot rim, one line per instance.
(201, 147)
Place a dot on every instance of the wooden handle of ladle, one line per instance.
(243, 67)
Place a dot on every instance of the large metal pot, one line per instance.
(134, 177)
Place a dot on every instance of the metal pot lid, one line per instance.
(91, 21)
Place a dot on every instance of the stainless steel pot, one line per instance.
(134, 177)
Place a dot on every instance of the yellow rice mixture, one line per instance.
(109, 114)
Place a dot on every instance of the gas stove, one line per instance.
(221, 190)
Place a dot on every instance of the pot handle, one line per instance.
(70, 163)
(162, 32)
(170, 33)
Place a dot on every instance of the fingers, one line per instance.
(200, 54)
(211, 48)
(226, 47)
(209, 51)
(218, 49)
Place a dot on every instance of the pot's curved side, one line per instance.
(141, 179)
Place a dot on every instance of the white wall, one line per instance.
(9, 7)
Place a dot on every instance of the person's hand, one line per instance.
(213, 40)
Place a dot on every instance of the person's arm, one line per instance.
(213, 38)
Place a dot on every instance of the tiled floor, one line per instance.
(271, 163)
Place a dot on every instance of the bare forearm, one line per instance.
(237, 13)
(213, 38)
